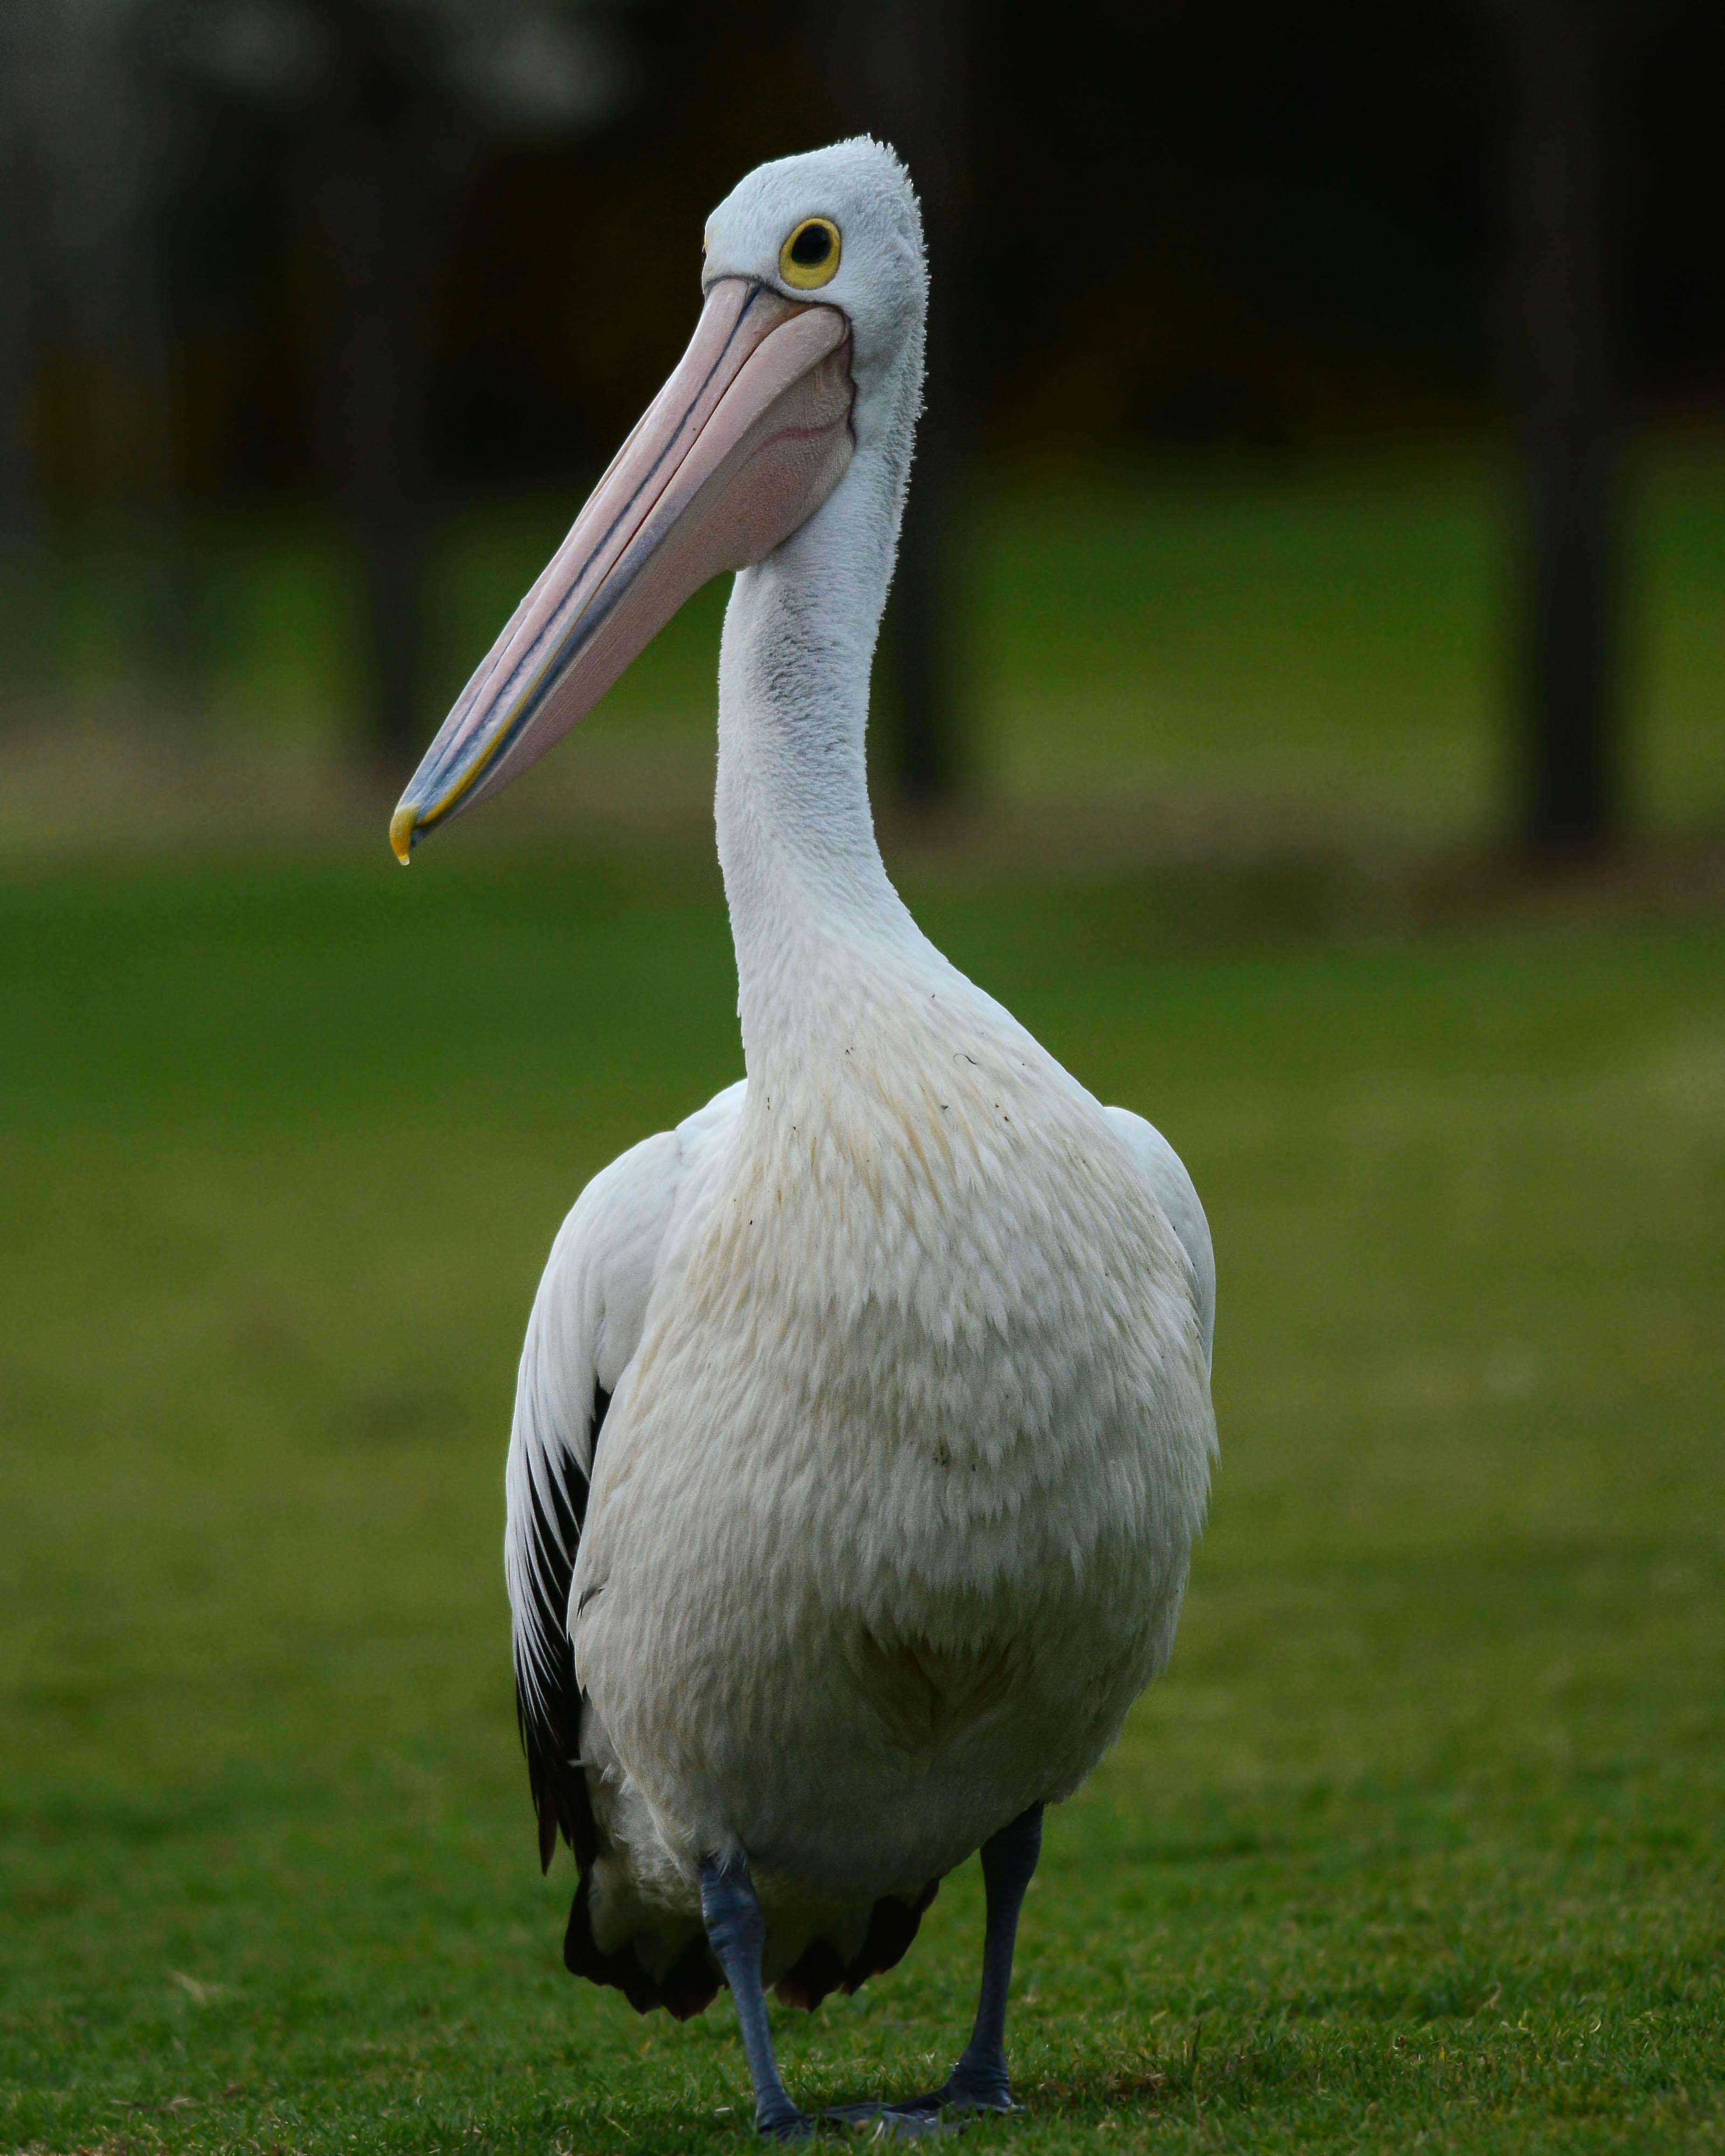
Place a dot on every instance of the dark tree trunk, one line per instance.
(1561, 66)
(928, 749)
(378, 223)
(17, 353)
(390, 146)
(123, 319)
(87, 177)
(21, 600)
(904, 70)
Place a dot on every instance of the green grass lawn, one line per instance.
(1419, 1842)
(1319, 635)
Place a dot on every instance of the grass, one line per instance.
(1302, 635)
(1418, 1843)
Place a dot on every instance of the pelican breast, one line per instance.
(906, 1471)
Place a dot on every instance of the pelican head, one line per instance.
(808, 351)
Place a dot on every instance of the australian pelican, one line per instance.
(864, 1425)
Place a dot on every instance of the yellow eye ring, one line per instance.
(809, 258)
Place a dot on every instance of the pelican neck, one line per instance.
(813, 912)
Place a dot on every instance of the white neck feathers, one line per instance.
(808, 895)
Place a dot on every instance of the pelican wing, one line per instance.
(581, 1336)
(1165, 1172)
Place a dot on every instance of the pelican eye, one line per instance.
(809, 258)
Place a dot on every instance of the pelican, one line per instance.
(863, 1426)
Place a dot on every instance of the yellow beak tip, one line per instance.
(401, 832)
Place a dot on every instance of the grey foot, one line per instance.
(787, 2126)
(944, 2110)
(973, 2092)
(894, 2122)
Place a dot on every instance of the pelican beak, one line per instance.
(743, 444)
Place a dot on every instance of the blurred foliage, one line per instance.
(372, 262)
(1194, 222)
(1318, 644)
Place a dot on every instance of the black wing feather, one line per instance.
(550, 1721)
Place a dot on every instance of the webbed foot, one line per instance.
(893, 2122)
(945, 2109)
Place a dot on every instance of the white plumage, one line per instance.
(898, 1351)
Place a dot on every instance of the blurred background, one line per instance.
(1301, 702)
(1324, 441)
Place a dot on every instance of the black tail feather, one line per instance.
(819, 1968)
(687, 1988)
(692, 1982)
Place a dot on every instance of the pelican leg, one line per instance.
(735, 1931)
(979, 2082)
